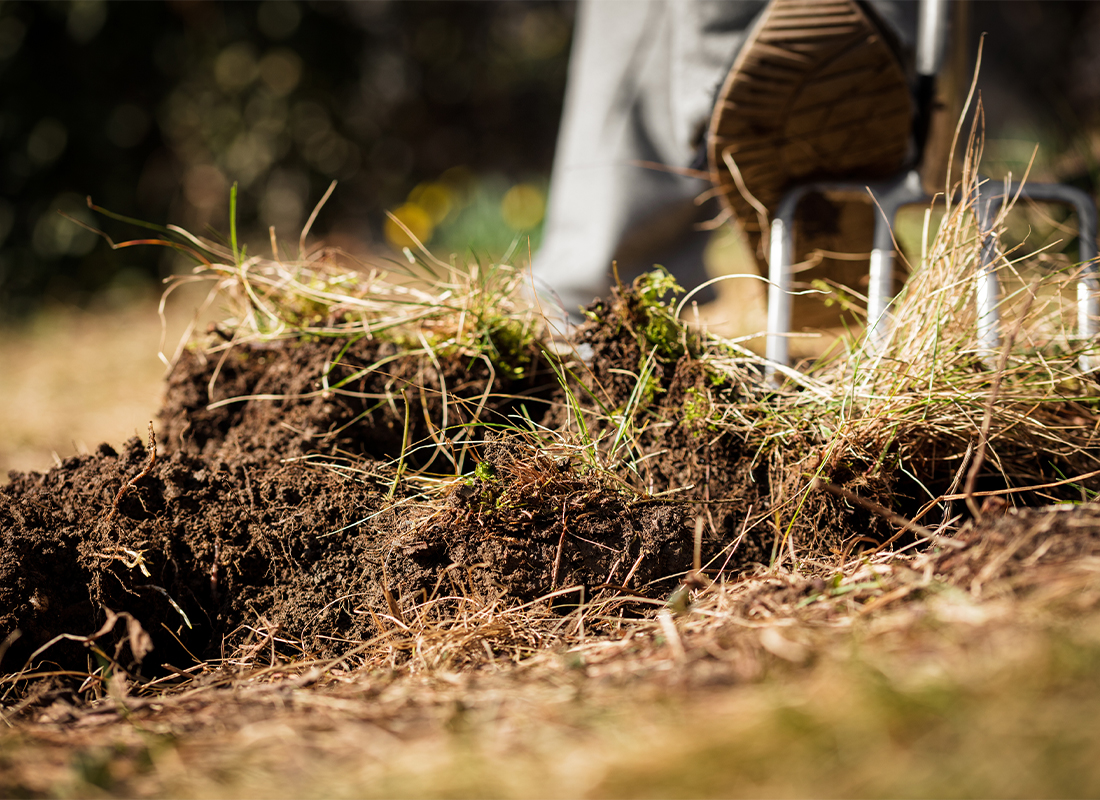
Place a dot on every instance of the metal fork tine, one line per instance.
(780, 301)
(1088, 285)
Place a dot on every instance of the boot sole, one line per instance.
(816, 93)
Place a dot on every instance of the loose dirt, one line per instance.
(274, 510)
(186, 608)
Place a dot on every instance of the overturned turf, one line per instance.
(292, 509)
(280, 518)
(205, 555)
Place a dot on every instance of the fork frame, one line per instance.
(893, 195)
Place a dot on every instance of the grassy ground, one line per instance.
(965, 667)
(951, 694)
(74, 378)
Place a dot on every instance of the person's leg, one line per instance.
(641, 87)
(642, 84)
(818, 92)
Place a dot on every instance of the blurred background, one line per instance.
(444, 113)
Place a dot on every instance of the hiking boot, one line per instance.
(817, 92)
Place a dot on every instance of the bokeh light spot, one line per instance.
(248, 157)
(543, 34)
(127, 125)
(281, 70)
(85, 20)
(12, 32)
(47, 141)
(460, 181)
(283, 202)
(55, 236)
(278, 19)
(416, 219)
(205, 186)
(435, 199)
(523, 206)
(235, 67)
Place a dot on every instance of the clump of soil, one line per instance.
(715, 468)
(534, 524)
(278, 512)
(194, 550)
(293, 397)
(230, 538)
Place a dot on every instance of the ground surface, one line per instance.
(949, 692)
(317, 628)
(74, 378)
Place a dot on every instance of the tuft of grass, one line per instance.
(914, 416)
(421, 303)
(921, 424)
(931, 405)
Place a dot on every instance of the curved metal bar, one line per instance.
(987, 286)
(892, 196)
(780, 302)
(931, 36)
(1088, 285)
(780, 299)
(903, 191)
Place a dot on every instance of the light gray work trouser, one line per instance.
(642, 79)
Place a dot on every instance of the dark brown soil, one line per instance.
(277, 521)
(234, 553)
(719, 474)
(326, 396)
(276, 515)
(222, 545)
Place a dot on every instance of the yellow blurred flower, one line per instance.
(435, 199)
(523, 206)
(413, 217)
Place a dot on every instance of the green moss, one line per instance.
(510, 345)
(656, 294)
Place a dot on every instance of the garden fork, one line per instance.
(906, 190)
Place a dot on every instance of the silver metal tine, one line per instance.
(1088, 285)
(780, 302)
(906, 189)
(987, 286)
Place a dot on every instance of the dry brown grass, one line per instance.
(931, 407)
(959, 672)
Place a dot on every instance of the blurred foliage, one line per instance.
(445, 112)
(1040, 84)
